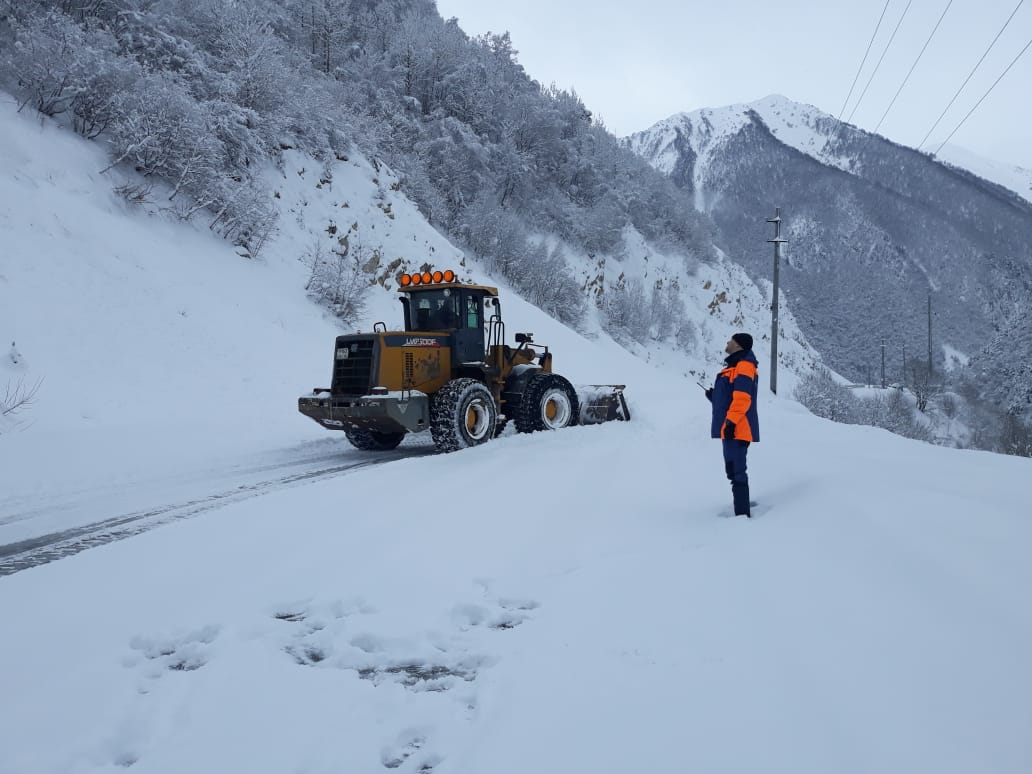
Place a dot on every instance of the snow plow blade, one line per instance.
(602, 403)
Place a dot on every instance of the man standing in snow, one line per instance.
(735, 420)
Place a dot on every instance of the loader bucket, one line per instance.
(602, 403)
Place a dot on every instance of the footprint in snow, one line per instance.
(181, 653)
(505, 614)
(155, 657)
(408, 743)
(316, 627)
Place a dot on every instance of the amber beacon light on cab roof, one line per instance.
(450, 372)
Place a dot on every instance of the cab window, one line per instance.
(435, 310)
(473, 311)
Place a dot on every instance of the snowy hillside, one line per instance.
(1017, 179)
(182, 339)
(240, 590)
(157, 287)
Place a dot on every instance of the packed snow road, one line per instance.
(37, 527)
(547, 603)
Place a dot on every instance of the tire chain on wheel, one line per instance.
(370, 440)
(445, 414)
(528, 417)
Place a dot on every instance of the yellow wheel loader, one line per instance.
(450, 372)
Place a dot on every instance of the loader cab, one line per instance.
(460, 310)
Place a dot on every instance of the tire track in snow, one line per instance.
(25, 507)
(44, 549)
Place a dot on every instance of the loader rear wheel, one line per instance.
(370, 440)
(462, 414)
(549, 403)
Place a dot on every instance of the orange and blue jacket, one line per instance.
(734, 397)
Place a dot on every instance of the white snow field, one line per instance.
(577, 601)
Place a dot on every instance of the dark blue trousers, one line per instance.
(735, 466)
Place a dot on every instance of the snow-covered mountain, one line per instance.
(801, 126)
(874, 229)
(688, 142)
(216, 584)
(1017, 179)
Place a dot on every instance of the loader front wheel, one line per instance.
(549, 403)
(370, 440)
(462, 414)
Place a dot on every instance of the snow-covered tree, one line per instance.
(198, 94)
(1015, 436)
(335, 275)
(924, 382)
(50, 61)
(827, 398)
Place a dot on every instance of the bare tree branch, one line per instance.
(18, 396)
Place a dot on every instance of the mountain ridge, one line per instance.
(798, 129)
(873, 228)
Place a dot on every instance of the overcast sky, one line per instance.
(635, 63)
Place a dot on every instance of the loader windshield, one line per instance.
(435, 310)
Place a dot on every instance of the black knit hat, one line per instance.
(744, 340)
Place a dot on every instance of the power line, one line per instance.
(920, 54)
(887, 46)
(864, 60)
(977, 65)
(1013, 62)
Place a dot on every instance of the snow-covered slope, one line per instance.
(85, 274)
(145, 335)
(1011, 176)
(553, 602)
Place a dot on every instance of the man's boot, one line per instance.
(740, 493)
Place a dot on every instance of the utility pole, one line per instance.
(777, 240)
(904, 365)
(929, 335)
(883, 362)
